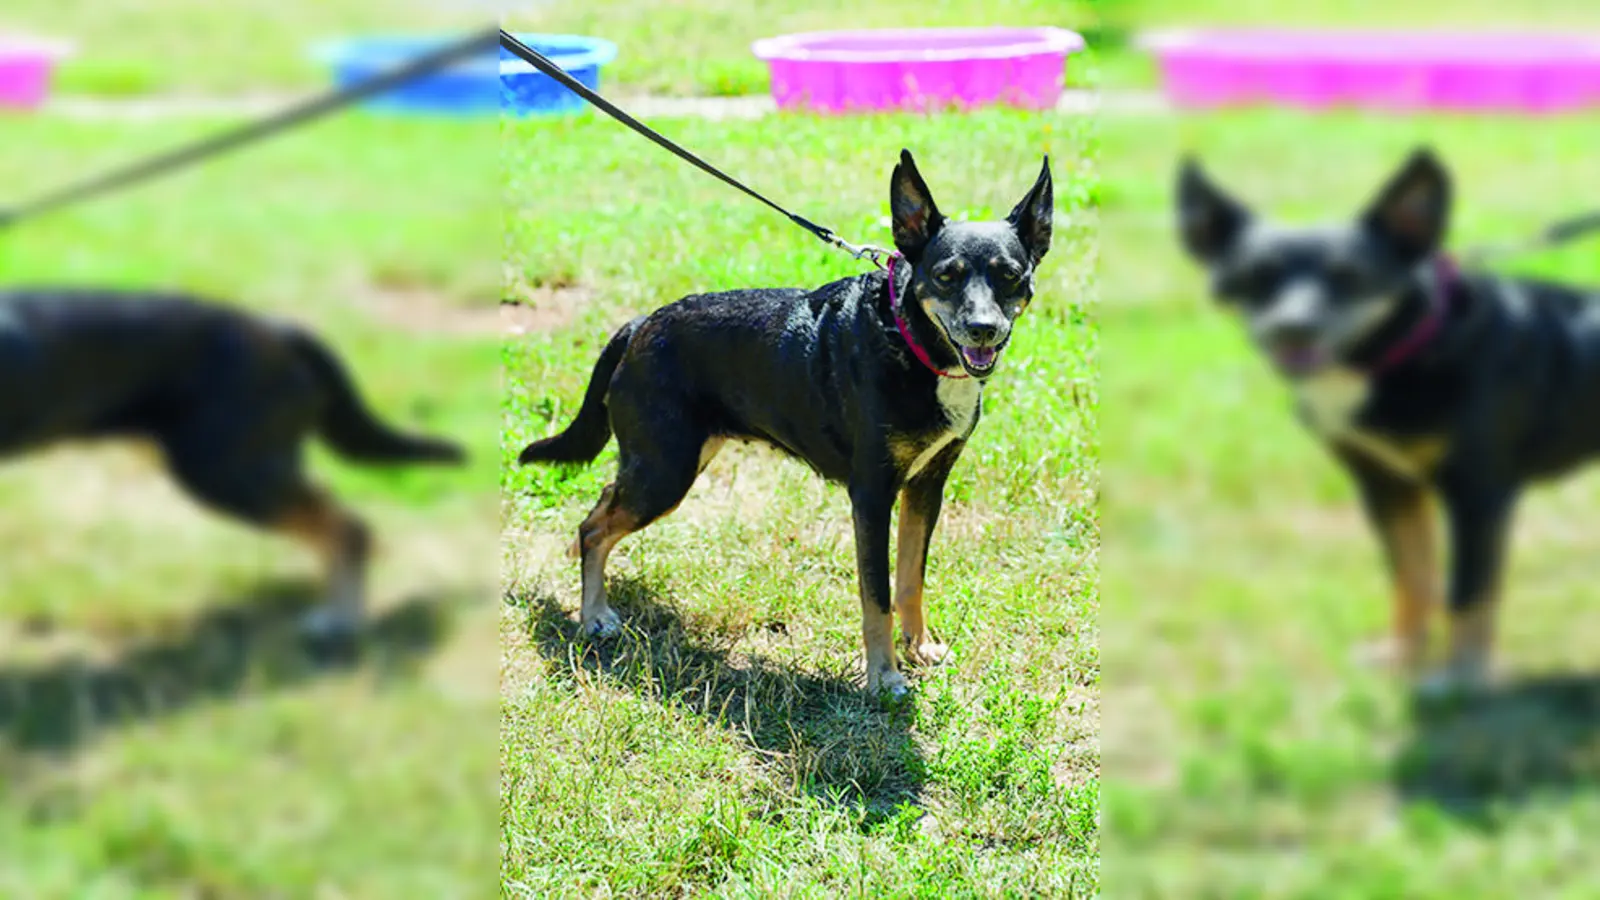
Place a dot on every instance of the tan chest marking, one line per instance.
(960, 399)
(1330, 402)
(1331, 399)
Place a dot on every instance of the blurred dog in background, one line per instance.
(228, 398)
(1425, 382)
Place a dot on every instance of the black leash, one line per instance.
(479, 43)
(1562, 232)
(539, 61)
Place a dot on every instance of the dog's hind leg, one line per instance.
(605, 525)
(268, 491)
(920, 502)
(708, 452)
(344, 544)
(240, 455)
(654, 474)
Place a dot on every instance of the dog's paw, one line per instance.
(605, 624)
(1377, 653)
(331, 636)
(928, 654)
(888, 684)
(327, 624)
(1388, 654)
(1452, 682)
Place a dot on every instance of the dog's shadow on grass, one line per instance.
(1516, 742)
(828, 737)
(247, 645)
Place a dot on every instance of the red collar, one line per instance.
(917, 349)
(1444, 278)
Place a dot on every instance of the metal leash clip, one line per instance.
(863, 251)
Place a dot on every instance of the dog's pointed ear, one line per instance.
(1412, 210)
(1032, 218)
(1209, 220)
(916, 218)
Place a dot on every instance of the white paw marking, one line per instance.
(604, 625)
(1388, 653)
(329, 622)
(930, 654)
(1451, 681)
(1376, 653)
(891, 683)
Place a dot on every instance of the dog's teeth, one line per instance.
(979, 357)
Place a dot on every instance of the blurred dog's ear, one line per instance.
(1412, 210)
(1209, 220)
(1032, 219)
(916, 218)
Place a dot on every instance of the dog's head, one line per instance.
(1312, 294)
(971, 279)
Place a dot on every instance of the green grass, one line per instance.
(1249, 754)
(702, 47)
(722, 746)
(161, 732)
(200, 47)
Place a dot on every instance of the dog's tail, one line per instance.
(350, 427)
(583, 440)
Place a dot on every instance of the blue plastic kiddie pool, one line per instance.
(469, 88)
(525, 90)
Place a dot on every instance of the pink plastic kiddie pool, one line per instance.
(26, 65)
(1403, 71)
(924, 68)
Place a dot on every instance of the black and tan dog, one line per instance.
(1425, 383)
(875, 381)
(227, 398)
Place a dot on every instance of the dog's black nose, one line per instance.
(983, 332)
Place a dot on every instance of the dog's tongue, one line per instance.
(1298, 359)
(979, 357)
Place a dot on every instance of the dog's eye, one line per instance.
(1343, 278)
(1251, 281)
(946, 276)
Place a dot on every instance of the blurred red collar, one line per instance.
(1444, 279)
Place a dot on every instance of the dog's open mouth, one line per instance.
(980, 360)
(1298, 358)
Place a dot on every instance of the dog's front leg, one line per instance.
(1401, 513)
(920, 502)
(1480, 519)
(871, 502)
